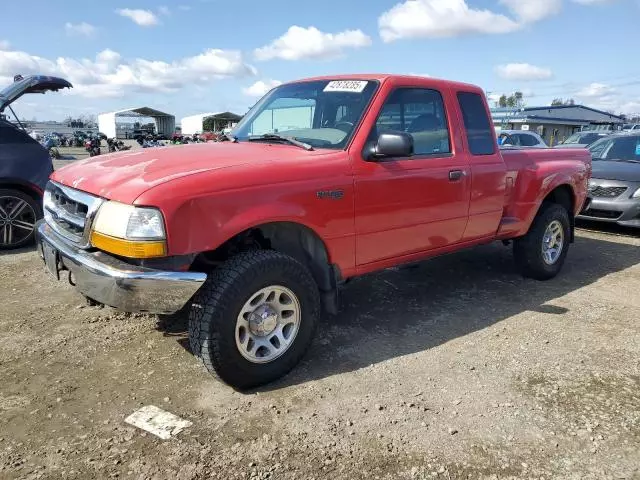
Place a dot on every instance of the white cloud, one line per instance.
(629, 108)
(144, 18)
(310, 43)
(84, 29)
(529, 11)
(109, 75)
(596, 90)
(261, 87)
(164, 10)
(604, 97)
(440, 18)
(4, 45)
(523, 72)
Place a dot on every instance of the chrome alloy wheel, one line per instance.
(552, 242)
(17, 220)
(268, 324)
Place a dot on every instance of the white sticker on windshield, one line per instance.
(354, 86)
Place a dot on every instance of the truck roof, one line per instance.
(381, 77)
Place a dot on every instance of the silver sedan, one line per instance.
(614, 188)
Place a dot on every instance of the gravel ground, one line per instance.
(456, 368)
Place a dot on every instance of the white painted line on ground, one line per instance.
(157, 421)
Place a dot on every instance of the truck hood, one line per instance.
(124, 176)
(622, 171)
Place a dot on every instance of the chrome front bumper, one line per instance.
(118, 284)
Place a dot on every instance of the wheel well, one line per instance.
(293, 239)
(563, 195)
(8, 184)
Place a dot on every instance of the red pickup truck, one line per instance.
(323, 180)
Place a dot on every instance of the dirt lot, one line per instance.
(458, 368)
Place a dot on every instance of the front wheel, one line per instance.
(18, 215)
(541, 253)
(254, 318)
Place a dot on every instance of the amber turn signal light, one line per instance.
(128, 248)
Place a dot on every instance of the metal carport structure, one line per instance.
(194, 123)
(108, 122)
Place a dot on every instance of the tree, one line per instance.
(208, 124)
(502, 101)
(518, 98)
(560, 101)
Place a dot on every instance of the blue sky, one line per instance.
(210, 55)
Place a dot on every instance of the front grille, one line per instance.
(606, 192)
(608, 214)
(69, 211)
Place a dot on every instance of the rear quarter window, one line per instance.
(476, 123)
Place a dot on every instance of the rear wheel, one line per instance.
(541, 253)
(18, 215)
(254, 318)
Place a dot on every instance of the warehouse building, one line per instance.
(219, 121)
(119, 124)
(556, 123)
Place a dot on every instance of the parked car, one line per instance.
(630, 127)
(208, 136)
(520, 138)
(25, 166)
(614, 188)
(583, 139)
(252, 237)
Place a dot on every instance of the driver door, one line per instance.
(405, 206)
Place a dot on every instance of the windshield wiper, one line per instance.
(281, 138)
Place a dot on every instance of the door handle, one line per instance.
(455, 175)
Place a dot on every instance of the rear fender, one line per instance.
(549, 184)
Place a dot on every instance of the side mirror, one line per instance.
(393, 144)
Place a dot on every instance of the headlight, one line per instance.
(636, 194)
(129, 231)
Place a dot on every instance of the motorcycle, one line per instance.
(93, 147)
(117, 145)
(50, 142)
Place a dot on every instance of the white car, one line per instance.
(631, 128)
(520, 138)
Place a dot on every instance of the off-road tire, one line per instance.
(213, 314)
(527, 250)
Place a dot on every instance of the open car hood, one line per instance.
(31, 84)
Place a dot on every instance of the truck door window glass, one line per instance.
(322, 113)
(476, 123)
(419, 112)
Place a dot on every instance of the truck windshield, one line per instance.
(323, 114)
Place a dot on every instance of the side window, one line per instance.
(477, 124)
(528, 140)
(512, 140)
(419, 112)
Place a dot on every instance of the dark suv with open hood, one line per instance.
(25, 166)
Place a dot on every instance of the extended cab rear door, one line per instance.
(405, 206)
(488, 170)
